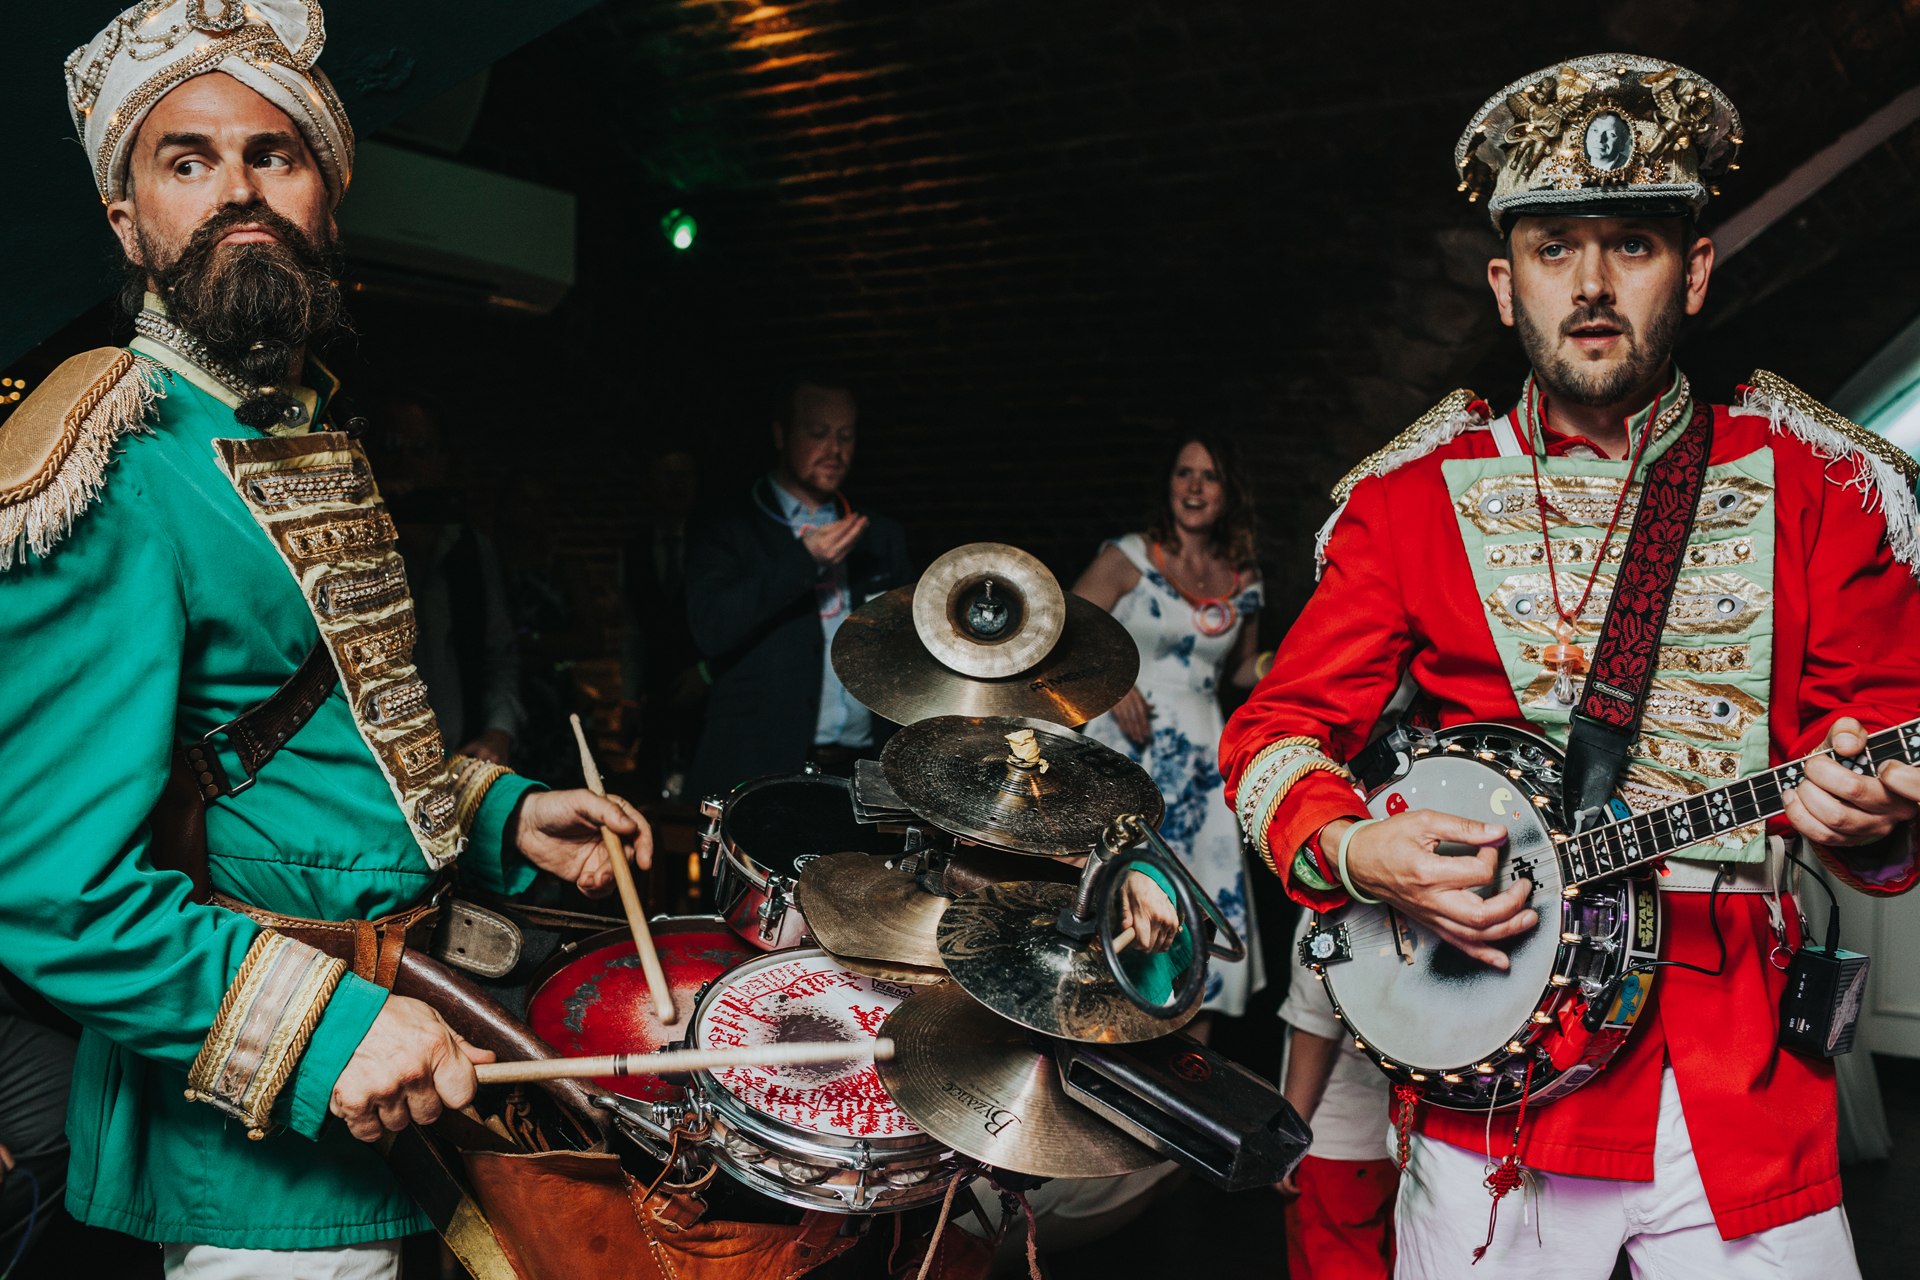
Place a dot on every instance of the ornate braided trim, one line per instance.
(265, 1021)
(1267, 779)
(472, 779)
(1432, 429)
(1883, 473)
(40, 507)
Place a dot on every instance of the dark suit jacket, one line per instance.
(750, 602)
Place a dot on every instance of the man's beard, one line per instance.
(254, 305)
(1569, 379)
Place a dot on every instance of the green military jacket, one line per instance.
(147, 597)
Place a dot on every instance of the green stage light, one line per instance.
(680, 228)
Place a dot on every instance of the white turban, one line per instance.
(157, 45)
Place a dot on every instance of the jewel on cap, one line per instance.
(268, 45)
(1609, 135)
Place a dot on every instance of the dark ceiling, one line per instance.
(1041, 236)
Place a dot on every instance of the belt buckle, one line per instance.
(207, 743)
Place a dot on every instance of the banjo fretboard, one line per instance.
(1617, 846)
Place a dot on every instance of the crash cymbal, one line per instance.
(1002, 945)
(988, 610)
(960, 774)
(858, 905)
(907, 975)
(879, 657)
(972, 1081)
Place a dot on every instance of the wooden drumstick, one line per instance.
(1124, 940)
(650, 1064)
(629, 896)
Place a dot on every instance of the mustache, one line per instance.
(1601, 313)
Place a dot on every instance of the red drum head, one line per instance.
(599, 1001)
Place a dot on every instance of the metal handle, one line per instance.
(1188, 991)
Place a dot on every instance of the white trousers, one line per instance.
(379, 1260)
(1572, 1228)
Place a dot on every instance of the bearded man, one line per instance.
(188, 555)
(1469, 564)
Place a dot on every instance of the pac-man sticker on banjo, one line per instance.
(1498, 801)
(1396, 803)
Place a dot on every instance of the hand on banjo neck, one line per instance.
(1396, 861)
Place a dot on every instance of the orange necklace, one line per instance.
(1212, 615)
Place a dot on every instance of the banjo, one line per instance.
(1465, 1033)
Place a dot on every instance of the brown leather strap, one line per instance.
(372, 949)
(257, 733)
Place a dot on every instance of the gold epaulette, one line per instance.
(1777, 388)
(54, 448)
(1433, 428)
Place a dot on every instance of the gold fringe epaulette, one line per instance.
(1432, 429)
(1882, 471)
(55, 448)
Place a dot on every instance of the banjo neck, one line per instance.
(1625, 843)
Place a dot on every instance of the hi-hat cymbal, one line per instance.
(972, 1081)
(857, 905)
(1002, 945)
(958, 774)
(988, 610)
(879, 657)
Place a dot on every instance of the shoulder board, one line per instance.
(1883, 472)
(54, 448)
(1433, 428)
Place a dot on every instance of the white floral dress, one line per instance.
(1180, 671)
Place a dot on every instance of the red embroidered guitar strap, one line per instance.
(1608, 714)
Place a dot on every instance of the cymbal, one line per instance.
(972, 1081)
(857, 905)
(1000, 943)
(907, 975)
(956, 772)
(880, 658)
(987, 610)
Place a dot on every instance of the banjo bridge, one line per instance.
(1402, 936)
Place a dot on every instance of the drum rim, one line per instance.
(744, 862)
(593, 942)
(841, 1150)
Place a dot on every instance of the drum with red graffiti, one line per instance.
(824, 1137)
(592, 997)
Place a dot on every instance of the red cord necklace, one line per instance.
(1566, 658)
(1212, 615)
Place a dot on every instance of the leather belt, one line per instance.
(1691, 875)
(262, 729)
(370, 948)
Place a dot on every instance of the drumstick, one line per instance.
(629, 896)
(650, 1064)
(1125, 940)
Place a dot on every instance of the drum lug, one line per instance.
(714, 807)
(863, 1155)
(773, 907)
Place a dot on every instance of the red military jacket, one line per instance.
(1399, 597)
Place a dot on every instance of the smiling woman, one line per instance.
(1187, 589)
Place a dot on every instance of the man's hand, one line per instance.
(1395, 861)
(491, 746)
(1146, 909)
(409, 1067)
(559, 831)
(829, 544)
(1132, 713)
(1839, 808)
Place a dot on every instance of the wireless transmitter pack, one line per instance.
(1820, 1009)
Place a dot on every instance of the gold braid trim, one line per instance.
(1775, 387)
(266, 1020)
(472, 779)
(1431, 430)
(1270, 776)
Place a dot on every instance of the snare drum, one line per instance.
(593, 998)
(823, 1137)
(761, 836)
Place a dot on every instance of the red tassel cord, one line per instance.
(1508, 1174)
(1407, 1097)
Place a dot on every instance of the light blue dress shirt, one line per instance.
(843, 721)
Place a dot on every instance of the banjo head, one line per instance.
(1428, 1013)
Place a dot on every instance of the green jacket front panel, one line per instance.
(163, 614)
